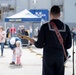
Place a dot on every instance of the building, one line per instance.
(10, 7)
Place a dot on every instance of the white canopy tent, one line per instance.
(23, 16)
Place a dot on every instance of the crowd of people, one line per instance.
(14, 31)
(10, 32)
(22, 30)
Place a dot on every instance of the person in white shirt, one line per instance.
(31, 31)
(18, 53)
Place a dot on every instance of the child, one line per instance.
(18, 53)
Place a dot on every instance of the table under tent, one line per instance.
(23, 16)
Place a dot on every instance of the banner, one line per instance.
(42, 13)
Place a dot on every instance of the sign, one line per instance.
(15, 20)
(42, 13)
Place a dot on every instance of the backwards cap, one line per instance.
(12, 41)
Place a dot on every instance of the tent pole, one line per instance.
(13, 25)
(5, 26)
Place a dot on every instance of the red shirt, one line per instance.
(13, 30)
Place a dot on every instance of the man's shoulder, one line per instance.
(67, 26)
(45, 24)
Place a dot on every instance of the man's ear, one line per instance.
(59, 14)
(51, 16)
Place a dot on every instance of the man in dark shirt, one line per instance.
(53, 54)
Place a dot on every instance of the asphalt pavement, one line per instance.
(31, 61)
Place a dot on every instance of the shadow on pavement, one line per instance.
(15, 66)
(2, 56)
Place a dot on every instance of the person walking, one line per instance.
(2, 39)
(53, 54)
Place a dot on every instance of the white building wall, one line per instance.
(21, 5)
(57, 2)
(40, 4)
(7, 1)
(70, 11)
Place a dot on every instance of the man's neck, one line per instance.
(55, 18)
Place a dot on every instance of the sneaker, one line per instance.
(12, 63)
(18, 64)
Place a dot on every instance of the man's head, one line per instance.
(55, 12)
